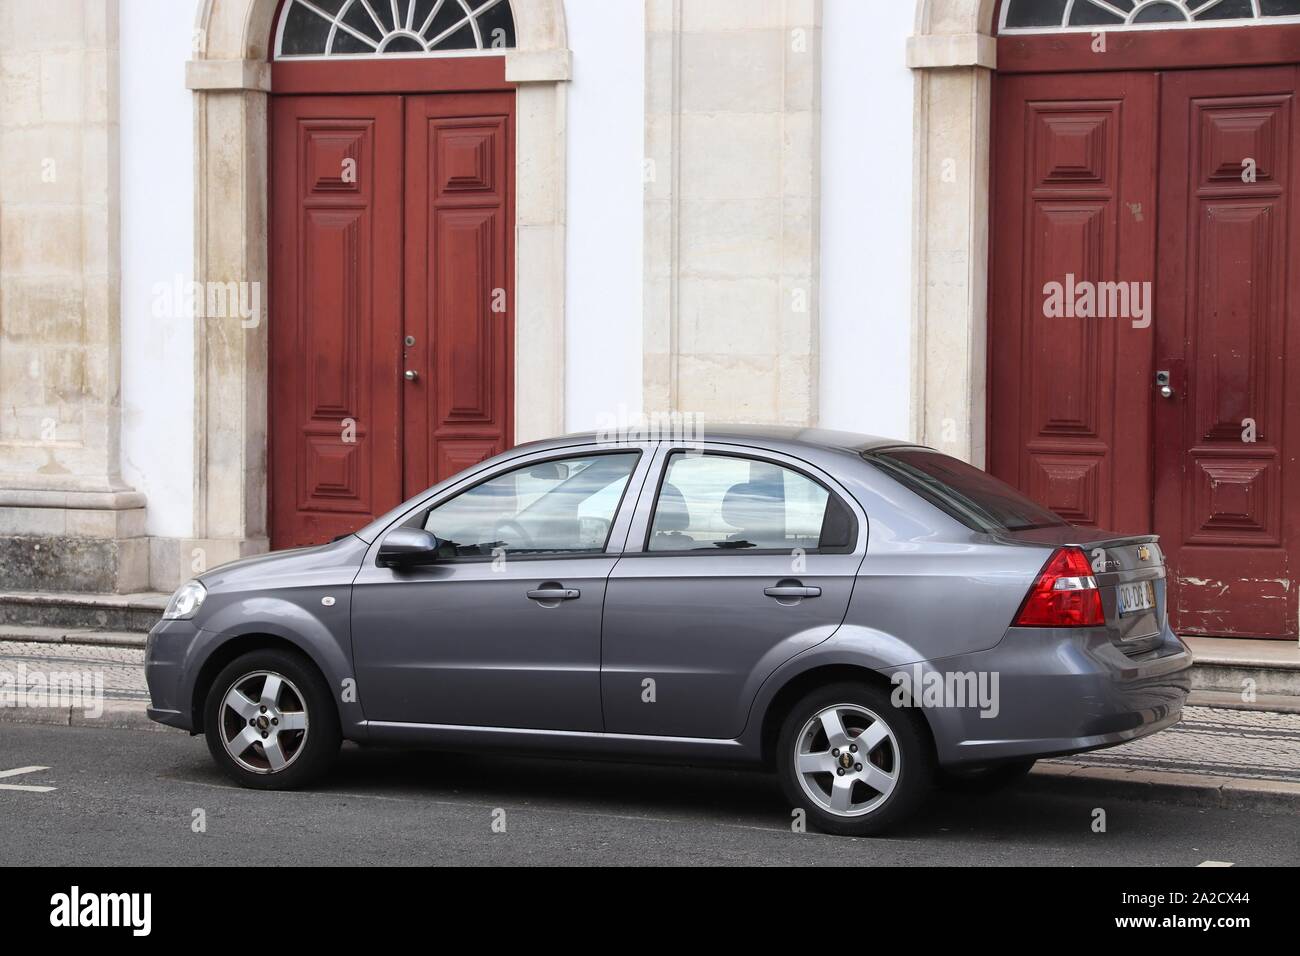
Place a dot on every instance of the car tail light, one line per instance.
(1065, 594)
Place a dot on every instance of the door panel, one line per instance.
(1225, 505)
(1217, 485)
(372, 242)
(461, 643)
(725, 584)
(335, 228)
(501, 632)
(459, 290)
(1074, 201)
(701, 627)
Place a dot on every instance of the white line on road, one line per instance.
(19, 772)
(1213, 863)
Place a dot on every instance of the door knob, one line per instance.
(1164, 379)
(411, 375)
(1166, 391)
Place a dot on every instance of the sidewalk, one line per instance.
(1215, 756)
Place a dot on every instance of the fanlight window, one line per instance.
(316, 28)
(1054, 16)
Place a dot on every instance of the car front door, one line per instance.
(503, 630)
(738, 561)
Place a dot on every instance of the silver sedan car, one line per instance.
(864, 617)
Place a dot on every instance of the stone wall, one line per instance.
(732, 208)
(66, 517)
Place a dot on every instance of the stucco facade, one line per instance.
(737, 168)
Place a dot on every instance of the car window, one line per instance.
(566, 506)
(973, 497)
(722, 503)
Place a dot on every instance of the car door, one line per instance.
(740, 559)
(503, 630)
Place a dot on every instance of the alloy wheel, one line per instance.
(263, 722)
(847, 760)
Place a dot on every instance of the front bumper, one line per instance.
(170, 682)
(1054, 692)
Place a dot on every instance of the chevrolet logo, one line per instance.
(1144, 553)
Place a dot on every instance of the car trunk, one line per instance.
(1124, 566)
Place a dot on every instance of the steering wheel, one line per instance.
(510, 524)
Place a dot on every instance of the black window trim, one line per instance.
(426, 507)
(879, 459)
(668, 454)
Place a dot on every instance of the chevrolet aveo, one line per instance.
(862, 616)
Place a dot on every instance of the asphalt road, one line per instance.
(128, 797)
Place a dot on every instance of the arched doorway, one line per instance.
(392, 245)
(235, 79)
(1144, 333)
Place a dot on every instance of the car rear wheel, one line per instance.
(270, 721)
(856, 764)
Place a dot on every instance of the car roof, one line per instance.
(774, 437)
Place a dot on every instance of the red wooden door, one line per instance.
(391, 338)
(1227, 501)
(1073, 203)
(459, 289)
(335, 318)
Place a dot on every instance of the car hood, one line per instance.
(346, 550)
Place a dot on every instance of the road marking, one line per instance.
(20, 771)
(1214, 863)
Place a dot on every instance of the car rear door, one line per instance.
(738, 559)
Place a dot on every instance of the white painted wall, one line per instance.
(606, 122)
(866, 223)
(866, 217)
(157, 246)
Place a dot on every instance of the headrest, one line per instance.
(672, 513)
(750, 503)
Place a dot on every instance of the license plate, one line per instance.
(1139, 596)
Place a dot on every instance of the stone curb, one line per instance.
(60, 635)
(1191, 789)
(117, 715)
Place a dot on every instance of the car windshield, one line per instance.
(973, 497)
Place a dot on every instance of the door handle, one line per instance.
(791, 591)
(1164, 380)
(411, 375)
(554, 594)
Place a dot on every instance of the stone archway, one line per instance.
(954, 53)
(230, 75)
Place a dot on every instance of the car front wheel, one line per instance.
(270, 721)
(856, 764)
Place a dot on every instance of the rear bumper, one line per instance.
(1051, 692)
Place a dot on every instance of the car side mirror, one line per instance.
(409, 547)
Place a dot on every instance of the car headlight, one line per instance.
(185, 602)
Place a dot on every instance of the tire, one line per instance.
(901, 760)
(302, 755)
(985, 779)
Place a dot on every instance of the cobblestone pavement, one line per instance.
(1260, 745)
(122, 667)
